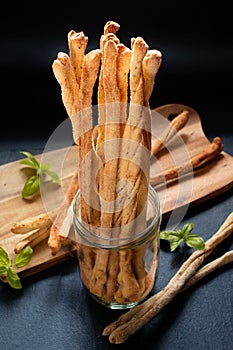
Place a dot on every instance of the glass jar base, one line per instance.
(114, 305)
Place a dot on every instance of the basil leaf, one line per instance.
(31, 186)
(53, 175)
(28, 162)
(175, 243)
(45, 167)
(3, 269)
(195, 241)
(34, 162)
(4, 259)
(169, 235)
(187, 228)
(13, 279)
(24, 257)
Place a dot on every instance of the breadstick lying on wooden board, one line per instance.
(208, 153)
(173, 127)
(34, 222)
(33, 239)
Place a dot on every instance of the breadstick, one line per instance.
(132, 132)
(129, 288)
(77, 46)
(55, 235)
(89, 75)
(209, 152)
(33, 223)
(112, 272)
(89, 215)
(208, 268)
(101, 94)
(111, 27)
(139, 50)
(107, 186)
(173, 127)
(151, 64)
(33, 240)
(123, 65)
(65, 76)
(137, 317)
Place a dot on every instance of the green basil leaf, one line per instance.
(195, 241)
(13, 279)
(3, 269)
(35, 163)
(4, 258)
(45, 167)
(31, 186)
(169, 235)
(28, 162)
(23, 257)
(187, 228)
(53, 175)
(175, 243)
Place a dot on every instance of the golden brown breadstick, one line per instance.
(111, 27)
(123, 65)
(129, 171)
(208, 268)
(173, 127)
(34, 222)
(151, 64)
(132, 131)
(209, 152)
(109, 172)
(33, 239)
(56, 235)
(139, 50)
(65, 76)
(77, 46)
(89, 75)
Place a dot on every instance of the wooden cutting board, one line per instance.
(176, 196)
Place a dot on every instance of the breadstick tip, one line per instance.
(217, 140)
(111, 27)
(62, 57)
(154, 52)
(140, 43)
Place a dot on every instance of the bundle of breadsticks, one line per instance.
(114, 155)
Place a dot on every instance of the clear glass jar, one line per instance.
(119, 270)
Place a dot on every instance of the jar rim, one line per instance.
(106, 242)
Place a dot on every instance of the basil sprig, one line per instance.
(32, 184)
(7, 267)
(183, 235)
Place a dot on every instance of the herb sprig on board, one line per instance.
(32, 184)
(7, 267)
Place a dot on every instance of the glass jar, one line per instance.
(119, 270)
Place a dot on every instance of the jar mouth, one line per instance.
(119, 237)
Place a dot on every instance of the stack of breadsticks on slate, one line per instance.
(114, 155)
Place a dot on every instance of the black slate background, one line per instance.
(194, 38)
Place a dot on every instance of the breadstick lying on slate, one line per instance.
(130, 322)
